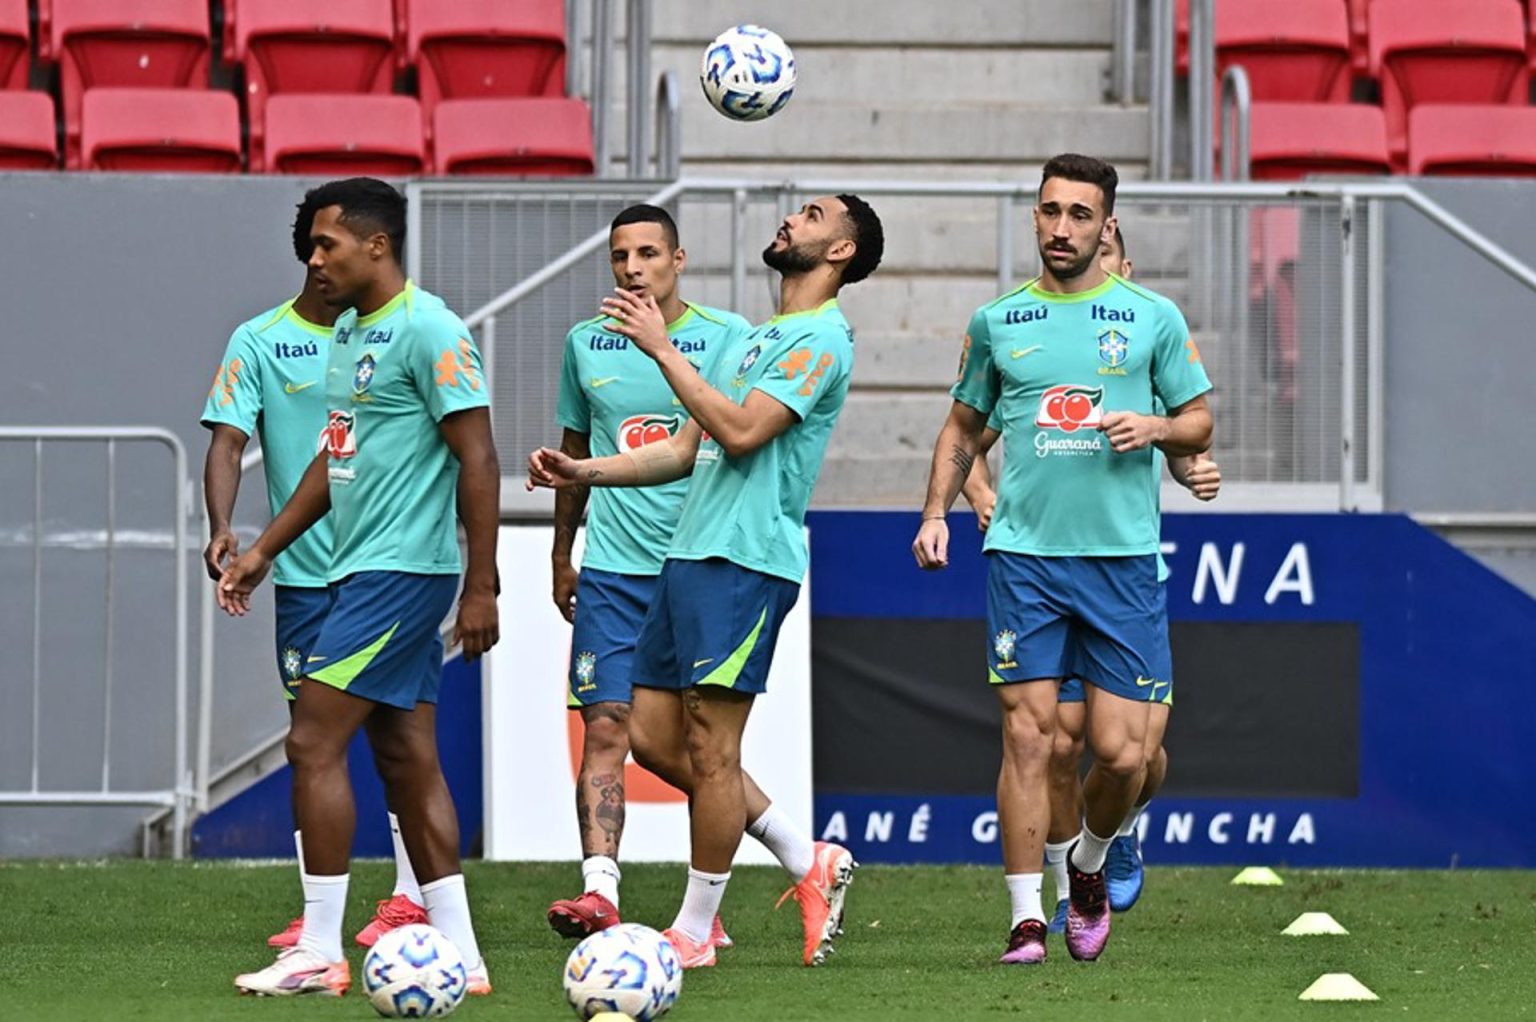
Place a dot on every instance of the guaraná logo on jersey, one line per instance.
(337, 438)
(1070, 408)
(638, 430)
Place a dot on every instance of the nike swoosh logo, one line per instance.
(603, 382)
(1144, 682)
(314, 658)
(706, 660)
(716, 883)
(290, 388)
(1021, 352)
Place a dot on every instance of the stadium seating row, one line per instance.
(197, 130)
(318, 58)
(1302, 55)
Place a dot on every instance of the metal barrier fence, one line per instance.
(1282, 285)
(57, 652)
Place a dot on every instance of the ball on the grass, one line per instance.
(610, 1016)
(628, 971)
(414, 972)
(748, 73)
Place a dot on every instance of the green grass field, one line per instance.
(162, 941)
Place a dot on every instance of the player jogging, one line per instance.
(408, 431)
(613, 398)
(271, 383)
(1123, 866)
(762, 413)
(1073, 361)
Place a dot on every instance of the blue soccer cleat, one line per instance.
(1058, 923)
(1124, 873)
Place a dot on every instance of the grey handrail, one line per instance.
(637, 39)
(1122, 83)
(1236, 115)
(1202, 72)
(602, 57)
(669, 123)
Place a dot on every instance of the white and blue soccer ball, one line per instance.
(748, 73)
(627, 968)
(414, 972)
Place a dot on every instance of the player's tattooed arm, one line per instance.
(953, 455)
(651, 465)
(570, 504)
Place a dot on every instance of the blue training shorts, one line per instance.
(1103, 619)
(301, 610)
(381, 640)
(610, 608)
(1071, 690)
(712, 623)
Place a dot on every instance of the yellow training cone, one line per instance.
(1258, 876)
(1338, 986)
(1314, 924)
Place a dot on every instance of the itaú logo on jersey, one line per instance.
(639, 430)
(1070, 408)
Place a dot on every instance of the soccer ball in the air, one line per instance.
(626, 968)
(748, 73)
(414, 972)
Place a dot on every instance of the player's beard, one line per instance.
(792, 259)
(1072, 270)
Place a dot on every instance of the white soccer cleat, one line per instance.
(297, 970)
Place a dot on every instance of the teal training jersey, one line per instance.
(393, 375)
(615, 393)
(1053, 365)
(751, 510)
(271, 384)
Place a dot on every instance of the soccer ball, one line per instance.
(626, 968)
(748, 73)
(414, 972)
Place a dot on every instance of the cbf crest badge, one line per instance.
(1002, 645)
(586, 669)
(1114, 348)
(293, 663)
(746, 364)
(363, 376)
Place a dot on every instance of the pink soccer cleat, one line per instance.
(478, 980)
(297, 971)
(583, 916)
(1026, 944)
(717, 935)
(820, 895)
(692, 955)
(1087, 913)
(289, 937)
(391, 914)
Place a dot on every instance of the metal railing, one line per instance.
(179, 794)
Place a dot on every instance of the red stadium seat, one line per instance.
(27, 137)
(538, 137)
(337, 135)
(15, 44)
(1181, 35)
(1291, 140)
(299, 46)
(1360, 38)
(1472, 140)
(144, 44)
(45, 31)
(475, 49)
(1423, 56)
(1295, 51)
(158, 130)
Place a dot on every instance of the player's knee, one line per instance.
(400, 760)
(308, 746)
(1123, 758)
(1026, 738)
(710, 756)
(607, 735)
(1066, 750)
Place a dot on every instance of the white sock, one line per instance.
(601, 876)
(1056, 858)
(1128, 825)
(1024, 893)
(405, 876)
(447, 907)
(1091, 849)
(701, 903)
(793, 847)
(298, 847)
(325, 902)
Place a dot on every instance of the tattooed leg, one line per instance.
(600, 784)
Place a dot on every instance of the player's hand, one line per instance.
(1203, 477)
(242, 576)
(639, 319)
(931, 547)
(478, 627)
(1129, 431)
(984, 505)
(565, 589)
(222, 547)
(551, 469)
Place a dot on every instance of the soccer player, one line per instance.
(761, 414)
(408, 430)
(1123, 866)
(268, 383)
(1073, 362)
(613, 398)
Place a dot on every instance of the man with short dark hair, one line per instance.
(270, 383)
(408, 436)
(761, 414)
(1073, 362)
